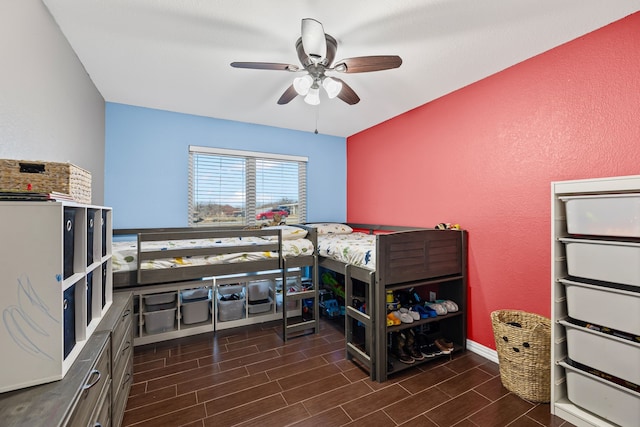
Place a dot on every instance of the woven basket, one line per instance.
(524, 353)
(46, 177)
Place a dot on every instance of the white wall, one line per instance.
(50, 109)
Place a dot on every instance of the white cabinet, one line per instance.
(56, 285)
(595, 288)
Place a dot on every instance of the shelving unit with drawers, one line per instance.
(255, 298)
(172, 310)
(56, 286)
(595, 311)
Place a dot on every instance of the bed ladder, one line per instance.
(364, 354)
(291, 326)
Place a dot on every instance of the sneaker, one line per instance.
(430, 350)
(445, 346)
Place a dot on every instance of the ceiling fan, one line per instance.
(316, 51)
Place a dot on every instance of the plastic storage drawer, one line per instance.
(195, 311)
(610, 307)
(607, 353)
(261, 307)
(258, 290)
(603, 215)
(604, 398)
(231, 309)
(616, 262)
(159, 321)
(158, 299)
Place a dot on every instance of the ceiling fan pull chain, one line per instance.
(317, 115)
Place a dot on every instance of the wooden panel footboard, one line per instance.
(417, 255)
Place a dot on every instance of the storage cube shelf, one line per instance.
(258, 294)
(56, 286)
(595, 278)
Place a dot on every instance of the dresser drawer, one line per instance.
(122, 356)
(121, 393)
(102, 416)
(123, 325)
(95, 382)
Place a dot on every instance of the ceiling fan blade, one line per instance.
(347, 94)
(313, 40)
(288, 95)
(365, 64)
(265, 66)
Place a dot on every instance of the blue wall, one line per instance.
(147, 163)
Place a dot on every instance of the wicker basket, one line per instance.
(523, 343)
(46, 177)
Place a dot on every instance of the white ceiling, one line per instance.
(175, 54)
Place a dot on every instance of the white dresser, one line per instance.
(595, 289)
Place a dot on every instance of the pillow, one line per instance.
(289, 232)
(331, 228)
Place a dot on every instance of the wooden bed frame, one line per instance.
(281, 265)
(166, 275)
(405, 257)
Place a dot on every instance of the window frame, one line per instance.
(250, 170)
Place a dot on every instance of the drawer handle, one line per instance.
(97, 425)
(126, 379)
(126, 313)
(96, 377)
(128, 345)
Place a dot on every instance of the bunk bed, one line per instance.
(390, 258)
(154, 258)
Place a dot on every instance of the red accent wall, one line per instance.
(485, 155)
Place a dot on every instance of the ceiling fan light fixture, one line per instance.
(303, 84)
(332, 86)
(313, 97)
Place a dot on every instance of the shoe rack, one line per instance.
(438, 336)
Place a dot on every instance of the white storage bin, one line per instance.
(613, 308)
(606, 353)
(195, 311)
(230, 310)
(258, 290)
(162, 298)
(610, 401)
(159, 321)
(292, 304)
(230, 289)
(260, 307)
(603, 214)
(195, 294)
(292, 281)
(616, 262)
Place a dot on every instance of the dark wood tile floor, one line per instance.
(248, 377)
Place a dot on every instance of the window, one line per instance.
(232, 187)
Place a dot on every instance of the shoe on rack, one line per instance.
(392, 320)
(413, 314)
(398, 345)
(445, 346)
(440, 309)
(451, 306)
(411, 346)
(430, 350)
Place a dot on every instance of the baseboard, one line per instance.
(483, 351)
